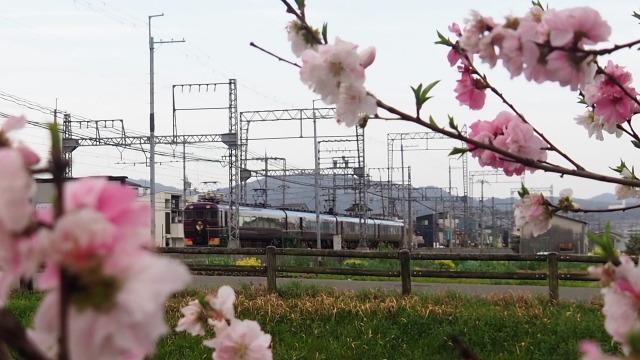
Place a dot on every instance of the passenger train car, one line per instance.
(206, 224)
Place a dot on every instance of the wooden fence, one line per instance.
(404, 272)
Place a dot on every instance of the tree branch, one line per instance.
(522, 160)
(15, 336)
(274, 55)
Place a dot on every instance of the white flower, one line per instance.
(595, 125)
(626, 192)
(353, 104)
(332, 66)
(566, 193)
(295, 34)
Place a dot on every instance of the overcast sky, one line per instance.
(91, 58)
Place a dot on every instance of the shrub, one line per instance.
(445, 265)
(249, 261)
(355, 263)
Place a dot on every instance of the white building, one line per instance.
(168, 212)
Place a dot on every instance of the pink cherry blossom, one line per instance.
(474, 31)
(17, 188)
(591, 351)
(510, 133)
(469, 90)
(532, 209)
(194, 319)
(609, 101)
(222, 302)
(353, 104)
(243, 340)
(564, 68)
(577, 26)
(15, 123)
(116, 202)
(519, 139)
(622, 300)
(484, 131)
(121, 321)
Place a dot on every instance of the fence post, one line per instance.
(271, 269)
(553, 277)
(405, 271)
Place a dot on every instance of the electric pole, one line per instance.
(152, 126)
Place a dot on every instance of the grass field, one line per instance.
(315, 323)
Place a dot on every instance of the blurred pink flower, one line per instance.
(577, 26)
(194, 319)
(222, 302)
(591, 351)
(119, 311)
(531, 209)
(243, 340)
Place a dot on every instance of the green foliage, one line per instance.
(421, 94)
(443, 40)
(523, 191)
(458, 150)
(633, 245)
(445, 264)
(604, 242)
(309, 322)
(324, 33)
(220, 261)
(355, 263)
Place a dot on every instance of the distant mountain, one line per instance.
(159, 187)
(606, 197)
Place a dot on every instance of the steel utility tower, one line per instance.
(152, 126)
(247, 117)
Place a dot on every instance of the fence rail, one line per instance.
(404, 272)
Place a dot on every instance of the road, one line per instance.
(566, 293)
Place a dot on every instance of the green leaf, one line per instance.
(636, 15)
(458, 150)
(452, 124)
(324, 33)
(636, 143)
(604, 241)
(422, 94)
(443, 40)
(432, 121)
(56, 146)
(523, 191)
(300, 4)
(620, 167)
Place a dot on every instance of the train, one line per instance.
(206, 224)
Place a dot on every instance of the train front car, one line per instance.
(202, 225)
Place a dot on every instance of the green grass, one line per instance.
(310, 322)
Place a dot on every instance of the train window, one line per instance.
(211, 214)
(188, 215)
(199, 214)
